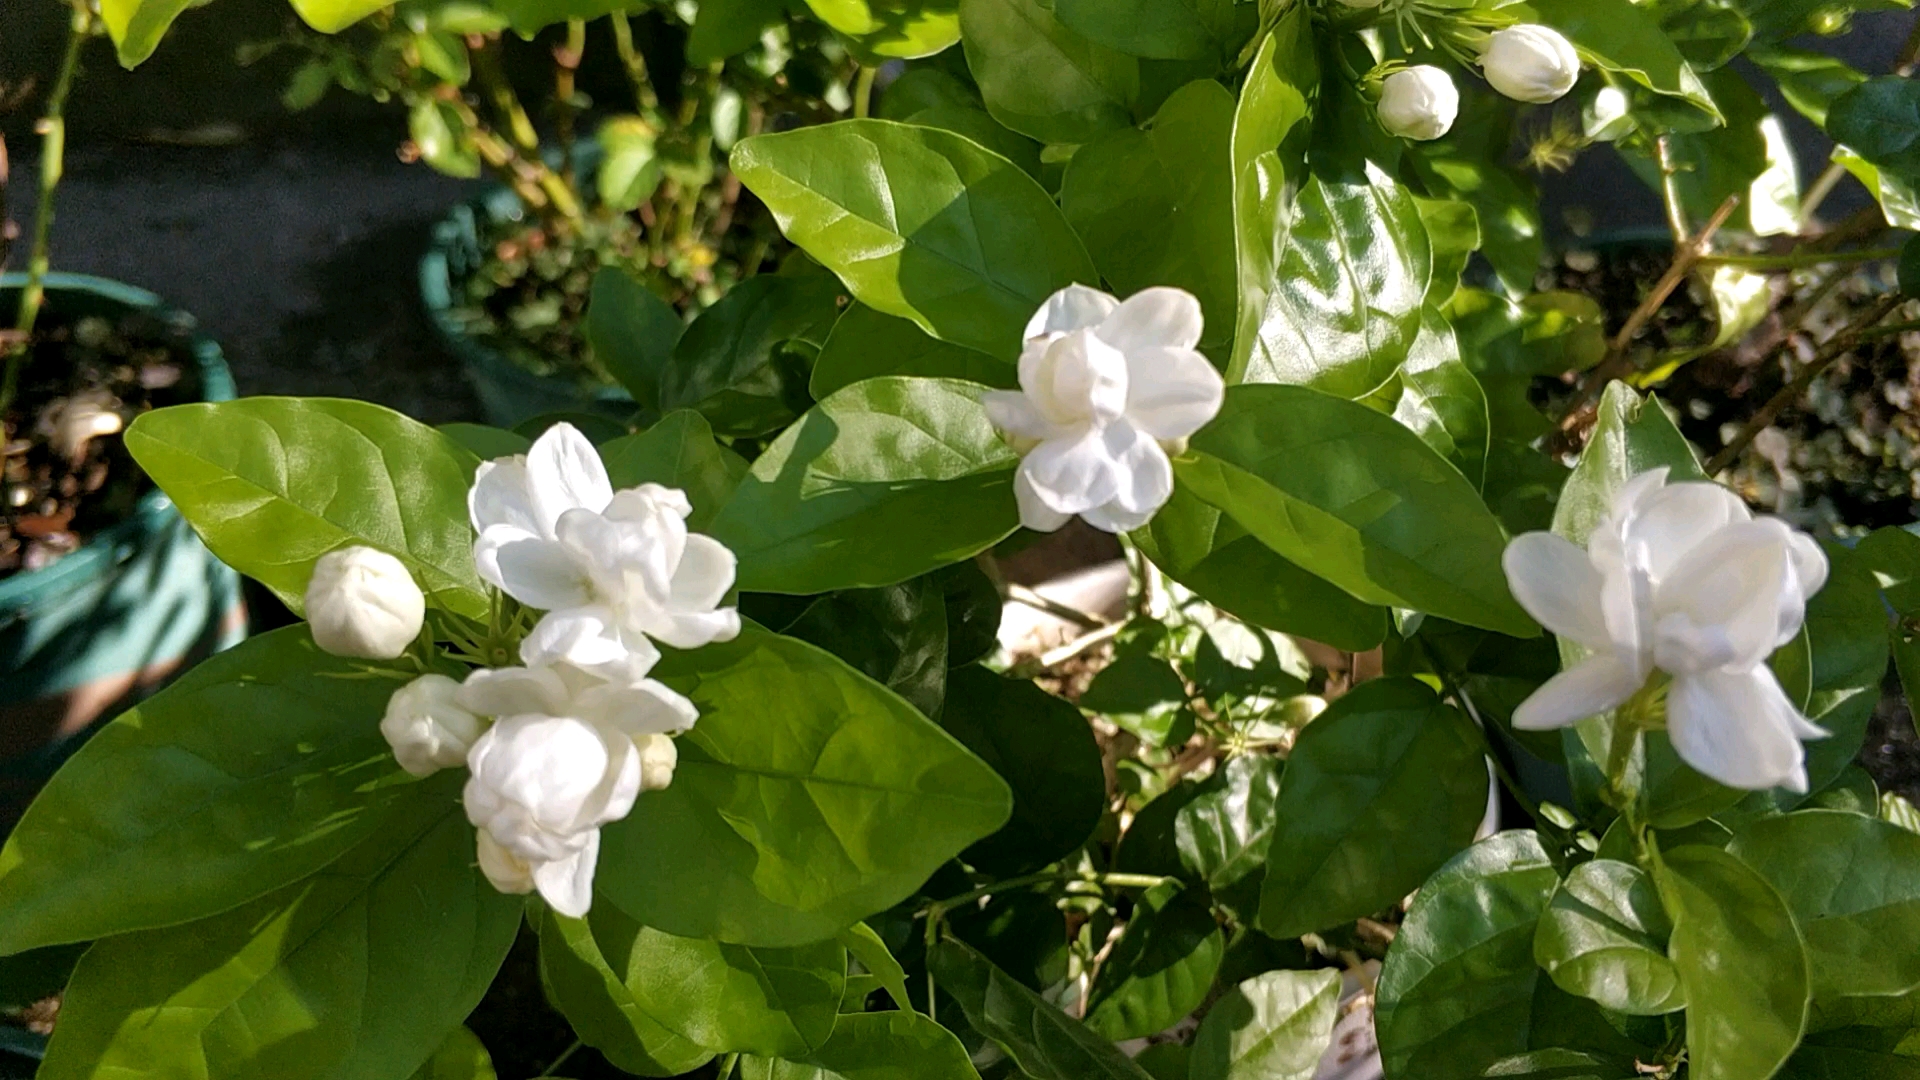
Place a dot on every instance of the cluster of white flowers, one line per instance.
(566, 743)
(1681, 579)
(1528, 62)
(1105, 388)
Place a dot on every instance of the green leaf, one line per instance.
(896, 636)
(880, 30)
(1042, 79)
(883, 481)
(630, 170)
(1810, 81)
(486, 443)
(1749, 156)
(1275, 1026)
(1160, 968)
(974, 608)
(1471, 165)
(632, 332)
(1457, 988)
(1223, 831)
(258, 767)
(1507, 345)
(1847, 629)
(360, 970)
(1177, 174)
(1776, 19)
(744, 363)
(865, 945)
(1022, 933)
(1352, 267)
(1046, 1043)
(807, 798)
(874, 1046)
(1622, 37)
(1880, 121)
(602, 1011)
(1853, 885)
(723, 29)
(1604, 937)
(1441, 401)
(528, 17)
(1140, 690)
(333, 16)
(1212, 554)
(136, 26)
(1045, 751)
(1354, 497)
(272, 484)
(460, 1057)
(1899, 201)
(974, 122)
(1562, 1064)
(1163, 29)
(443, 144)
(865, 344)
(1380, 791)
(919, 223)
(1283, 78)
(1741, 962)
(732, 998)
(1842, 1063)
(1165, 1061)
(678, 452)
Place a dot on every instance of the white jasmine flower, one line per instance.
(1681, 579)
(1103, 384)
(611, 569)
(1418, 103)
(636, 709)
(1530, 62)
(362, 603)
(658, 758)
(541, 787)
(427, 727)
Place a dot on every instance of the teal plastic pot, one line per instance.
(110, 622)
(509, 393)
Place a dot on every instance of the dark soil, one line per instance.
(67, 474)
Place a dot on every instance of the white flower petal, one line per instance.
(539, 573)
(564, 472)
(1737, 727)
(1035, 514)
(508, 872)
(512, 691)
(1012, 413)
(1809, 576)
(1075, 307)
(1172, 393)
(1072, 476)
(705, 574)
(1154, 318)
(588, 639)
(567, 884)
(639, 710)
(1080, 380)
(1721, 605)
(1587, 689)
(1145, 479)
(499, 496)
(1675, 519)
(1557, 584)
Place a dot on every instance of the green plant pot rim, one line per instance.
(106, 547)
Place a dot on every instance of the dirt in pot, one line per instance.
(68, 475)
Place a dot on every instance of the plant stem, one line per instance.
(486, 65)
(1839, 345)
(566, 69)
(727, 1064)
(1822, 187)
(562, 1059)
(1793, 260)
(1021, 594)
(863, 92)
(1670, 193)
(635, 63)
(53, 159)
(937, 910)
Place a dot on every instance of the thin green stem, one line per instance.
(1794, 260)
(1817, 194)
(938, 909)
(562, 1059)
(53, 159)
(635, 63)
(1670, 192)
(506, 103)
(566, 69)
(863, 92)
(727, 1065)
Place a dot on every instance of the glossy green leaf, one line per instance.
(1741, 962)
(978, 124)
(974, 608)
(1846, 628)
(1457, 988)
(1893, 555)
(1749, 157)
(632, 331)
(1604, 937)
(1165, 1061)
(1046, 1043)
(1356, 498)
(1899, 199)
(726, 28)
(1352, 267)
(1139, 690)
(1853, 885)
(630, 169)
(1161, 967)
(1811, 81)
(883, 481)
(136, 26)
(258, 767)
(461, 1057)
(1212, 554)
(1562, 1064)
(1441, 401)
(919, 223)
(1282, 80)
(1045, 751)
(358, 971)
(1380, 791)
(1818, 1062)
(678, 452)
(880, 30)
(874, 1046)
(864, 945)
(1177, 174)
(602, 1011)
(896, 636)
(806, 798)
(866, 344)
(1042, 79)
(1163, 29)
(732, 998)
(272, 484)
(743, 364)
(1224, 830)
(333, 16)
(1508, 344)
(1275, 1026)
(1022, 933)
